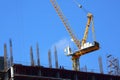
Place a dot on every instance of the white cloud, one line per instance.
(61, 44)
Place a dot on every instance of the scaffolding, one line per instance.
(112, 65)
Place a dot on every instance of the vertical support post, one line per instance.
(38, 58)
(100, 64)
(6, 76)
(12, 73)
(75, 76)
(93, 77)
(11, 54)
(5, 57)
(56, 57)
(76, 65)
(49, 59)
(85, 68)
(31, 56)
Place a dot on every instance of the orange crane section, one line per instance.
(87, 28)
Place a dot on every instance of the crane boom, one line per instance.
(65, 22)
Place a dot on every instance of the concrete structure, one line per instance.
(1, 63)
(11, 71)
(22, 72)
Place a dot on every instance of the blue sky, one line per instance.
(27, 22)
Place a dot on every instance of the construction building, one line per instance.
(38, 72)
(22, 72)
(11, 71)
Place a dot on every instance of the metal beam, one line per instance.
(11, 53)
(56, 57)
(31, 56)
(5, 57)
(38, 58)
(49, 59)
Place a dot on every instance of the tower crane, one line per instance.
(83, 47)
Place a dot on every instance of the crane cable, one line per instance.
(93, 30)
(80, 6)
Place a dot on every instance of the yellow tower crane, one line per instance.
(83, 47)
